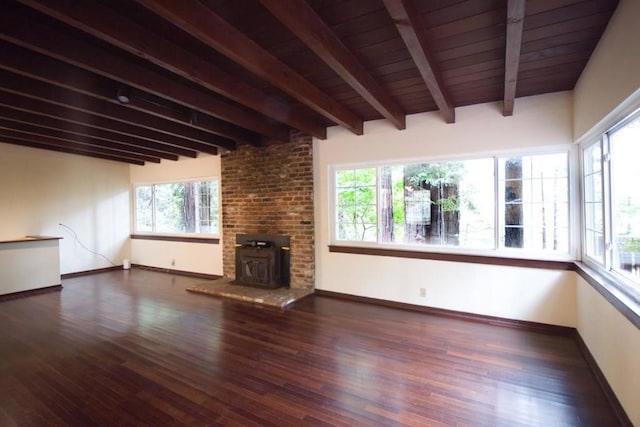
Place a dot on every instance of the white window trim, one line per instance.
(626, 112)
(172, 181)
(516, 253)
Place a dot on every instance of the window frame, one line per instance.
(628, 287)
(514, 253)
(155, 235)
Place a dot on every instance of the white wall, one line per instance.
(192, 257)
(606, 91)
(42, 189)
(516, 293)
(614, 343)
(613, 71)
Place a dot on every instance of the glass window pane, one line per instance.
(169, 208)
(356, 215)
(178, 207)
(594, 245)
(593, 159)
(447, 203)
(593, 187)
(144, 208)
(625, 209)
(534, 202)
(207, 207)
(365, 177)
(345, 178)
(593, 203)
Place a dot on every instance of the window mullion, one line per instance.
(197, 201)
(607, 200)
(496, 204)
(378, 207)
(153, 208)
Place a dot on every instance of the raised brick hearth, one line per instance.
(270, 190)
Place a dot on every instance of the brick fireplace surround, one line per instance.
(269, 190)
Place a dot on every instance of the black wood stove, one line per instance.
(262, 260)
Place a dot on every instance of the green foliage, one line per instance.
(632, 244)
(397, 187)
(434, 173)
(437, 174)
(356, 177)
(449, 204)
(356, 204)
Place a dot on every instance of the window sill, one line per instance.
(185, 239)
(455, 257)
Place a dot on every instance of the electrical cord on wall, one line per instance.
(75, 236)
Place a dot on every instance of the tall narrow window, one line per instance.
(625, 199)
(357, 217)
(534, 202)
(611, 204)
(144, 208)
(207, 213)
(594, 245)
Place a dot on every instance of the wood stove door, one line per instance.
(257, 267)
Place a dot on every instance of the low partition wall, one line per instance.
(29, 263)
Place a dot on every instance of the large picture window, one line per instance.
(611, 207)
(186, 207)
(489, 203)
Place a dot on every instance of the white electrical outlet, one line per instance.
(423, 292)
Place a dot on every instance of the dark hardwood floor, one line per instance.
(134, 348)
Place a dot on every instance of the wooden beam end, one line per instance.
(449, 115)
(400, 122)
(507, 108)
(358, 128)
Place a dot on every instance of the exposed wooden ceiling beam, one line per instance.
(138, 145)
(43, 108)
(204, 24)
(59, 142)
(29, 123)
(515, 21)
(67, 98)
(34, 65)
(36, 36)
(194, 118)
(409, 25)
(305, 23)
(107, 25)
(15, 141)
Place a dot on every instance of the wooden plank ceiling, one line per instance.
(145, 80)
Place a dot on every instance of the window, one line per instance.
(534, 202)
(357, 216)
(187, 207)
(489, 203)
(611, 207)
(593, 203)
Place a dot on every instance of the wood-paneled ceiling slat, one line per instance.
(53, 141)
(209, 75)
(302, 20)
(213, 30)
(51, 126)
